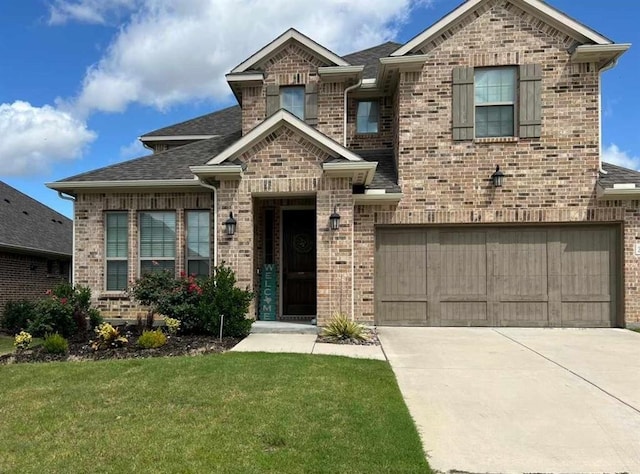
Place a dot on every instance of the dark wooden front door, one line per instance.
(299, 262)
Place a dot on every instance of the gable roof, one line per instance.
(618, 175)
(290, 34)
(370, 57)
(538, 8)
(219, 123)
(30, 226)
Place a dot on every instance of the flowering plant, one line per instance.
(108, 336)
(172, 325)
(22, 341)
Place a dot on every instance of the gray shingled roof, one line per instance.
(386, 176)
(222, 122)
(369, 57)
(171, 164)
(29, 225)
(618, 175)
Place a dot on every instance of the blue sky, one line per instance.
(82, 79)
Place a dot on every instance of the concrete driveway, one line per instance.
(522, 400)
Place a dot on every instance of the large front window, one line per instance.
(157, 241)
(117, 250)
(495, 97)
(292, 99)
(198, 243)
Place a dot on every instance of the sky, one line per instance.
(81, 80)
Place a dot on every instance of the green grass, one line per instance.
(235, 412)
(6, 344)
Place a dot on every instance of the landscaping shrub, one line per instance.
(22, 341)
(152, 339)
(107, 336)
(197, 303)
(172, 325)
(340, 327)
(17, 315)
(95, 318)
(55, 344)
(53, 315)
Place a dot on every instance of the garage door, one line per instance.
(528, 277)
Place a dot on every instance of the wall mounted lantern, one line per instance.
(497, 177)
(230, 224)
(334, 219)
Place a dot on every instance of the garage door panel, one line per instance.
(464, 314)
(531, 314)
(404, 313)
(463, 264)
(585, 262)
(584, 315)
(520, 262)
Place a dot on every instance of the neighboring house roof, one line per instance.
(618, 175)
(538, 8)
(290, 34)
(171, 164)
(370, 57)
(29, 226)
(219, 123)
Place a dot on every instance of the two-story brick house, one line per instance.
(370, 181)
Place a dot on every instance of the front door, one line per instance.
(298, 263)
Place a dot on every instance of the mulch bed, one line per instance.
(371, 339)
(81, 350)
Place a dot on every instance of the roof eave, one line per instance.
(218, 172)
(99, 186)
(33, 250)
(614, 194)
(362, 172)
(166, 138)
(341, 72)
(601, 54)
(375, 198)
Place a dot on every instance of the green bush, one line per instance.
(152, 339)
(95, 318)
(107, 337)
(55, 344)
(53, 315)
(340, 327)
(197, 303)
(17, 315)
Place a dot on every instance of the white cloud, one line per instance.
(36, 138)
(88, 11)
(172, 52)
(612, 154)
(133, 150)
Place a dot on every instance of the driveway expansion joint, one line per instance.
(637, 410)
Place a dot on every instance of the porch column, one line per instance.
(334, 249)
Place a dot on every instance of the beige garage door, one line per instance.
(521, 276)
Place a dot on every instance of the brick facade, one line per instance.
(28, 277)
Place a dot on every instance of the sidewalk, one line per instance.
(305, 344)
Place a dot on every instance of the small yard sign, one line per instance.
(268, 292)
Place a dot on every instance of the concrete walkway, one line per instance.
(521, 400)
(304, 344)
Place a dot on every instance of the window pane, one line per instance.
(199, 268)
(117, 276)
(367, 117)
(494, 121)
(157, 234)
(495, 85)
(117, 235)
(150, 266)
(198, 234)
(292, 99)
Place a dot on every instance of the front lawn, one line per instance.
(232, 412)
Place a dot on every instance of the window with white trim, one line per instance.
(292, 99)
(198, 241)
(117, 250)
(367, 116)
(495, 102)
(157, 241)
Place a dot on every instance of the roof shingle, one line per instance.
(370, 56)
(221, 122)
(28, 225)
(618, 175)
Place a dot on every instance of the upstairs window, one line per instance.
(367, 117)
(495, 99)
(157, 242)
(117, 250)
(292, 99)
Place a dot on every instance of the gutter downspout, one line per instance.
(346, 91)
(73, 235)
(609, 66)
(215, 217)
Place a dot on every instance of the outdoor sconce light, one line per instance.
(334, 219)
(497, 177)
(230, 224)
